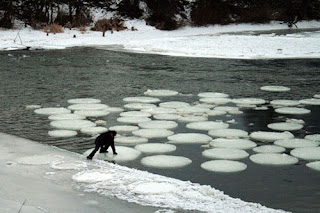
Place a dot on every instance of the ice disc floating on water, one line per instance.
(39, 159)
(310, 101)
(196, 138)
(139, 106)
(207, 125)
(233, 143)
(133, 120)
(114, 109)
(135, 114)
(72, 124)
(228, 133)
(93, 176)
(292, 110)
(296, 143)
(223, 166)
(269, 149)
(142, 99)
(285, 126)
(216, 112)
(165, 161)
(155, 148)
(158, 125)
(124, 128)
(192, 109)
(68, 116)
(52, 111)
(316, 96)
(124, 154)
(227, 108)
(314, 165)
(252, 101)
(315, 137)
(273, 159)
(166, 116)
(217, 101)
(286, 103)
(161, 92)
(212, 95)
(153, 133)
(159, 110)
(33, 106)
(92, 113)
(306, 153)
(152, 188)
(270, 136)
(87, 107)
(130, 140)
(225, 153)
(93, 130)
(84, 101)
(62, 133)
(275, 88)
(174, 104)
(64, 165)
(192, 118)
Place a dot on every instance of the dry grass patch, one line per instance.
(53, 28)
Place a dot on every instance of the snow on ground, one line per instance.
(213, 41)
(55, 179)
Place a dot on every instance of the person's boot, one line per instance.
(89, 157)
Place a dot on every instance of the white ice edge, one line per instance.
(128, 184)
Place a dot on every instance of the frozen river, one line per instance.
(51, 78)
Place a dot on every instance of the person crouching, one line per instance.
(102, 142)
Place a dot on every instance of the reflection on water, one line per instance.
(50, 78)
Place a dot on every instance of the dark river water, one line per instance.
(50, 78)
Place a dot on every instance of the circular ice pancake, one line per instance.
(84, 101)
(207, 125)
(152, 188)
(174, 104)
(33, 106)
(223, 166)
(166, 116)
(62, 133)
(254, 101)
(227, 108)
(316, 96)
(233, 143)
(135, 114)
(228, 133)
(159, 110)
(314, 165)
(306, 153)
(95, 130)
(292, 111)
(224, 153)
(310, 101)
(275, 88)
(286, 103)
(68, 116)
(153, 133)
(147, 100)
(130, 140)
(165, 161)
(92, 113)
(133, 120)
(285, 126)
(158, 124)
(212, 95)
(192, 109)
(52, 111)
(216, 112)
(39, 159)
(124, 154)
(192, 118)
(265, 136)
(123, 128)
(139, 106)
(296, 143)
(314, 137)
(93, 176)
(217, 101)
(87, 107)
(65, 165)
(156, 148)
(114, 109)
(269, 149)
(72, 124)
(276, 159)
(185, 138)
(161, 92)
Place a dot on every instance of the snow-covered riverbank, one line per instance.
(212, 41)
